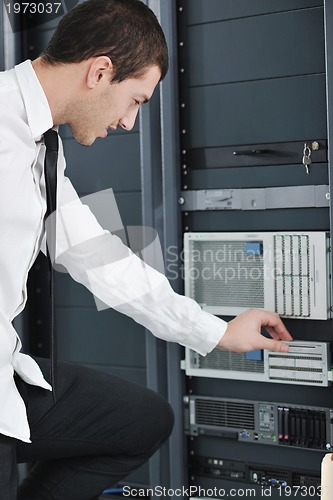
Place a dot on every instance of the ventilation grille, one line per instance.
(225, 274)
(224, 414)
(294, 380)
(292, 271)
(230, 361)
(310, 363)
(306, 479)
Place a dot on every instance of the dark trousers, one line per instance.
(100, 429)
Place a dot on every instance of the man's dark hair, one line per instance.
(127, 31)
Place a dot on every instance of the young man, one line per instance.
(104, 60)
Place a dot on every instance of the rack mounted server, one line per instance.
(253, 473)
(286, 272)
(278, 424)
(306, 363)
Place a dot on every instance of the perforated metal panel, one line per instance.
(224, 413)
(224, 273)
(226, 360)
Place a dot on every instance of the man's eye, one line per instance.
(137, 102)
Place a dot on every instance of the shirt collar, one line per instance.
(36, 105)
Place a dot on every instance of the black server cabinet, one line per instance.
(253, 95)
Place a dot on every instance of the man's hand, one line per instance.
(243, 333)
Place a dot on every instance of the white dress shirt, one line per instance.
(24, 117)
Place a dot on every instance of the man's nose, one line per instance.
(128, 121)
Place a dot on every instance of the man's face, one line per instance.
(111, 105)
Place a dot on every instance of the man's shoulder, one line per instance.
(12, 109)
(9, 89)
(8, 80)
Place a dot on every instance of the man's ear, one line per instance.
(99, 68)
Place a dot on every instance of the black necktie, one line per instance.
(51, 141)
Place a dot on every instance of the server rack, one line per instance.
(240, 134)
